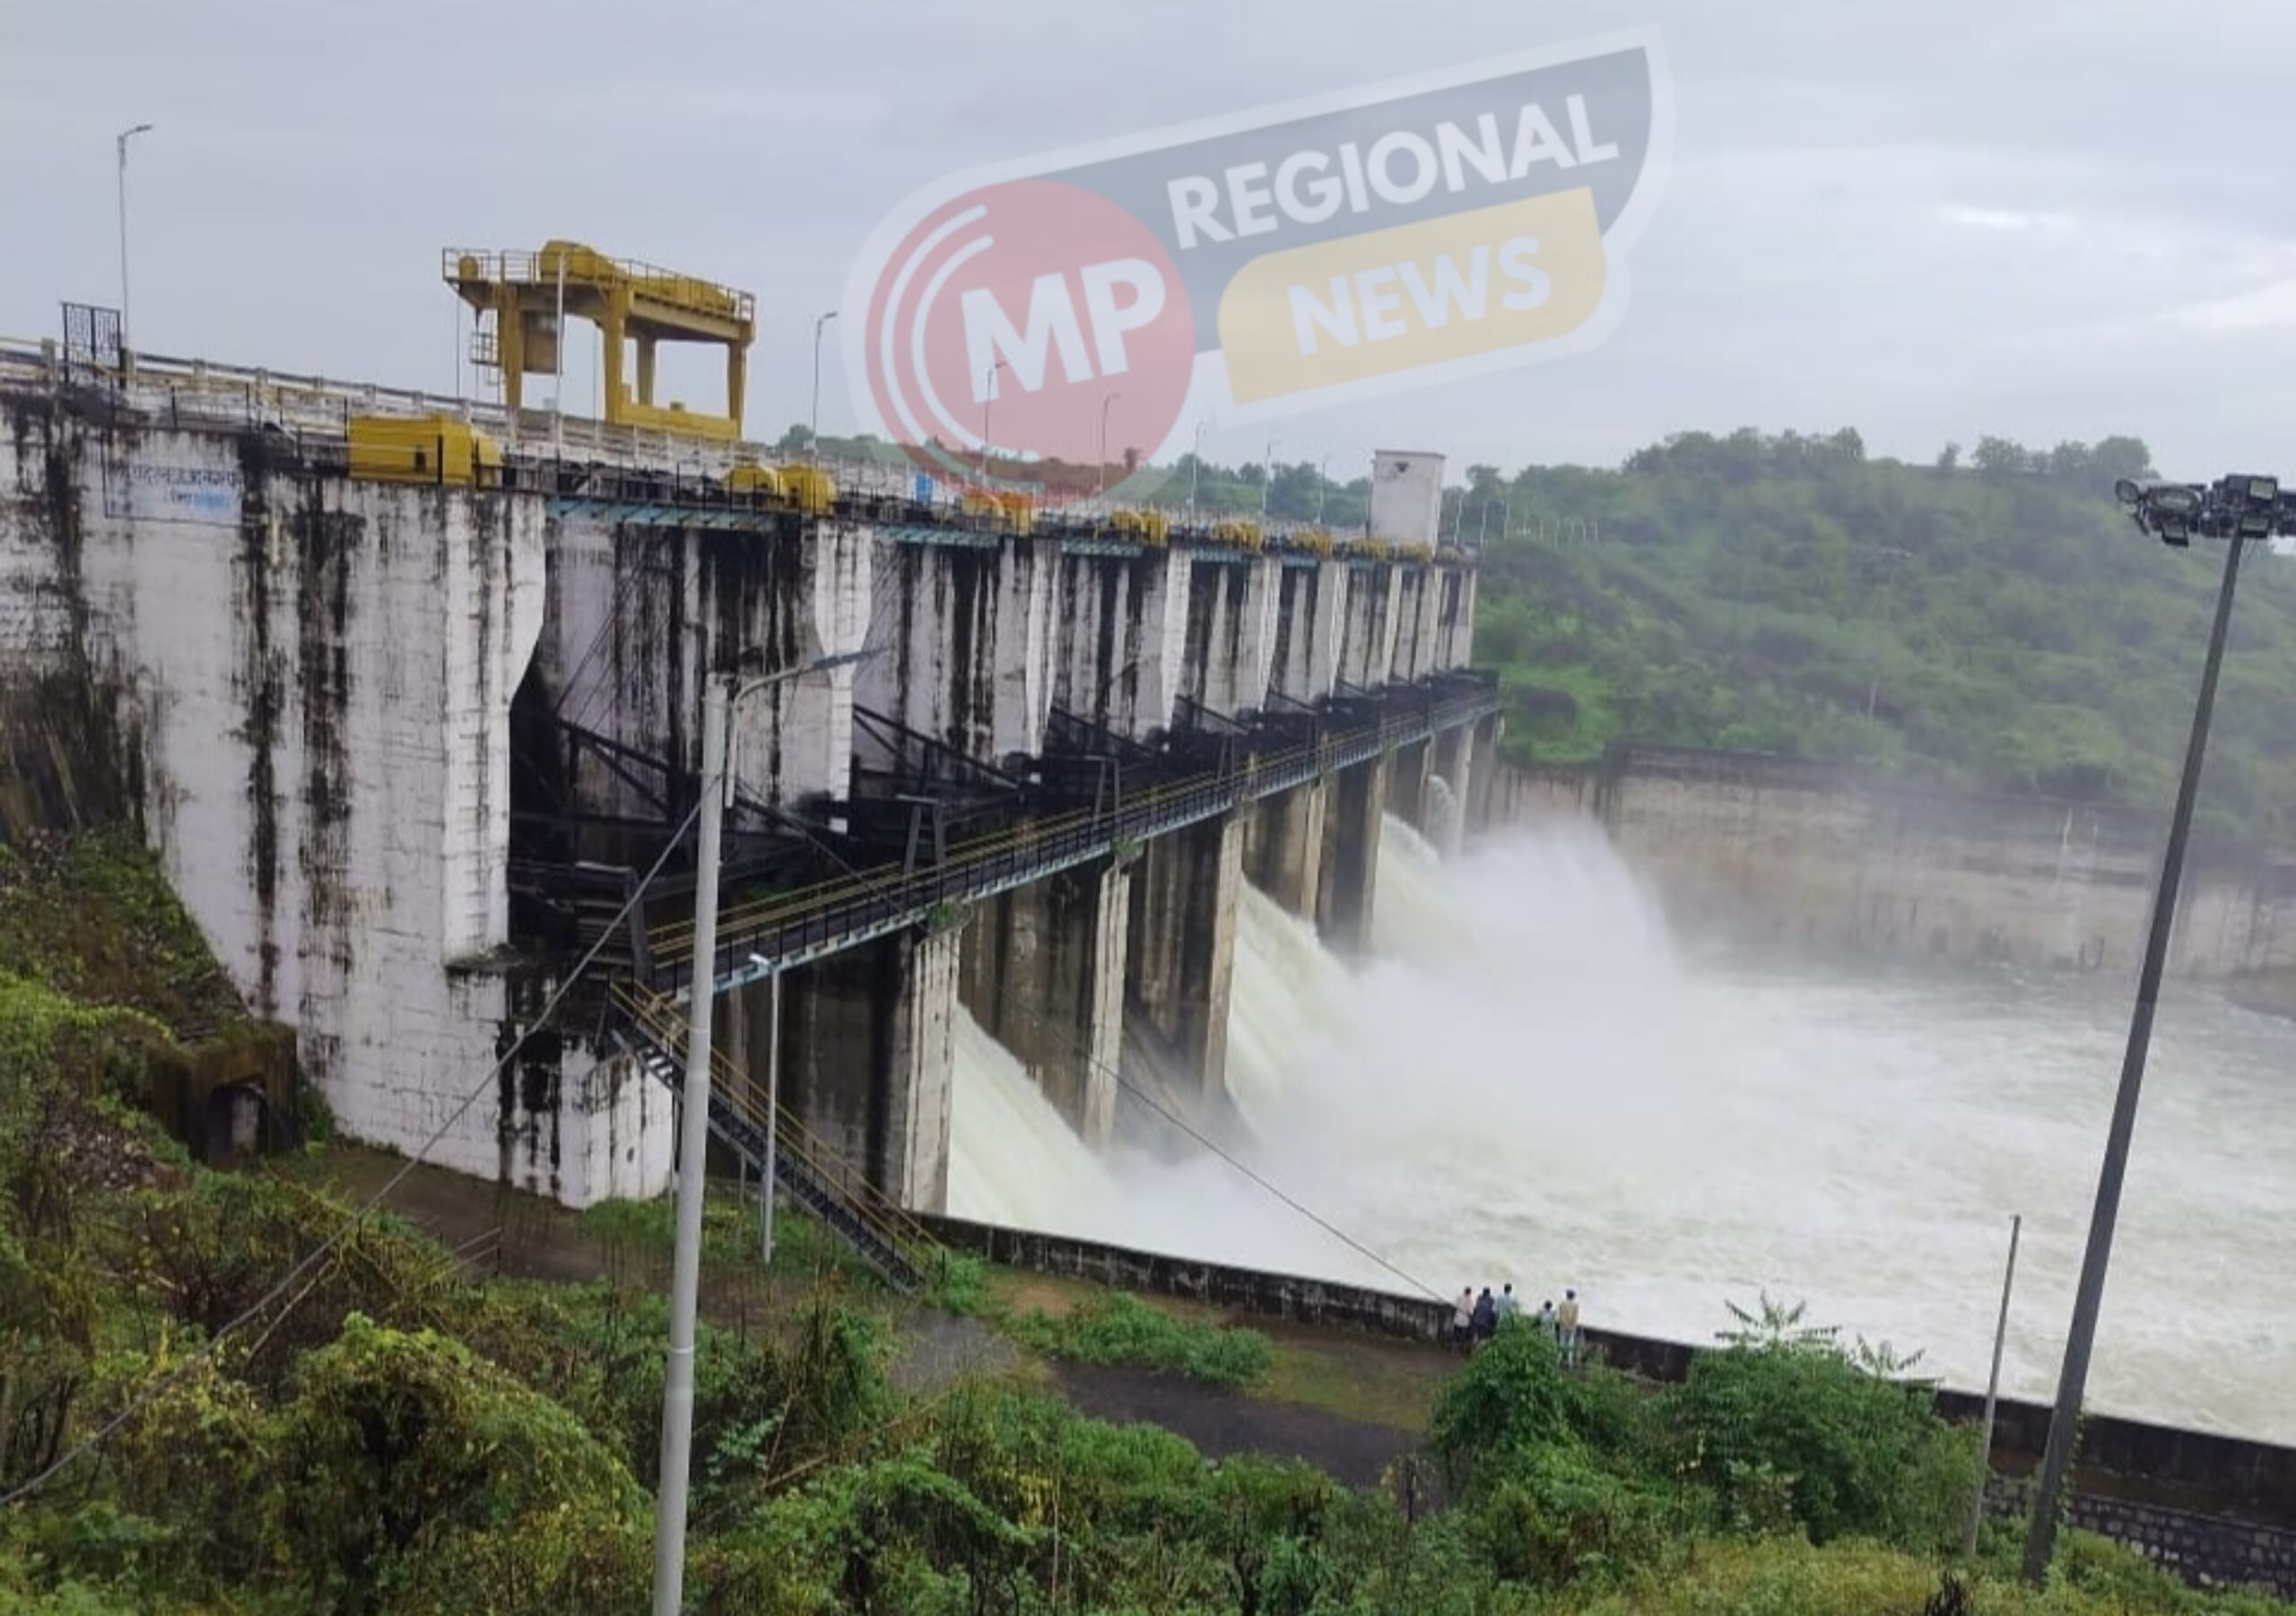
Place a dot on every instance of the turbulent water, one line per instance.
(1531, 1082)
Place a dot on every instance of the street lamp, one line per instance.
(987, 397)
(123, 137)
(1105, 403)
(1266, 476)
(813, 428)
(1323, 487)
(1195, 466)
(718, 700)
(2238, 508)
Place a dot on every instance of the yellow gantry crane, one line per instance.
(628, 301)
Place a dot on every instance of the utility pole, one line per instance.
(1873, 687)
(1194, 466)
(2239, 509)
(987, 397)
(1323, 487)
(813, 422)
(1992, 1392)
(693, 1146)
(1105, 403)
(1266, 477)
(123, 137)
(558, 366)
(719, 701)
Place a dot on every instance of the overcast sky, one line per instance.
(2045, 219)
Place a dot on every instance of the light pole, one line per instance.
(813, 425)
(1266, 477)
(123, 137)
(987, 397)
(1195, 466)
(1323, 487)
(1873, 687)
(1105, 403)
(717, 702)
(2238, 508)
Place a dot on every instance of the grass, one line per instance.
(1086, 1324)
(93, 917)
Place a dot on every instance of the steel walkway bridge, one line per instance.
(788, 929)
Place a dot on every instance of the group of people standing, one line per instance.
(1475, 1319)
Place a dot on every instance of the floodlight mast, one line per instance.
(2238, 508)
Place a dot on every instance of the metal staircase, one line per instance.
(879, 1231)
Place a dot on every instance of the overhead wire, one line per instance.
(358, 1217)
(1156, 1106)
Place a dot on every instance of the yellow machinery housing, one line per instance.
(1242, 534)
(1315, 540)
(429, 448)
(1145, 526)
(627, 300)
(750, 478)
(812, 488)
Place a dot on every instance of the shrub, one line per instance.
(1786, 1418)
(1117, 1329)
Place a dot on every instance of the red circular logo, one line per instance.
(1029, 336)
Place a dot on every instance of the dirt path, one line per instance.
(1223, 1422)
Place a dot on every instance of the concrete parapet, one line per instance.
(1043, 974)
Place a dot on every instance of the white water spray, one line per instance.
(1528, 1082)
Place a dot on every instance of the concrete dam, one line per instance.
(409, 734)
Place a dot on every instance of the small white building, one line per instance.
(1406, 496)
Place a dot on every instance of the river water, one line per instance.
(1533, 1081)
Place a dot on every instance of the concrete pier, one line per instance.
(1181, 965)
(1407, 770)
(1043, 974)
(1349, 882)
(1446, 810)
(865, 1057)
(1284, 846)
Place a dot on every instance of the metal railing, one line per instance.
(816, 1173)
(584, 267)
(795, 928)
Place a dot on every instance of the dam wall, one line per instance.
(423, 756)
(1829, 859)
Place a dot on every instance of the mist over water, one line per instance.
(1531, 1082)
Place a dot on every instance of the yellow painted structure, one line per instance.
(750, 478)
(813, 490)
(1243, 535)
(1145, 526)
(629, 301)
(1315, 540)
(435, 449)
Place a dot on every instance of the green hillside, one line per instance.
(1997, 626)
